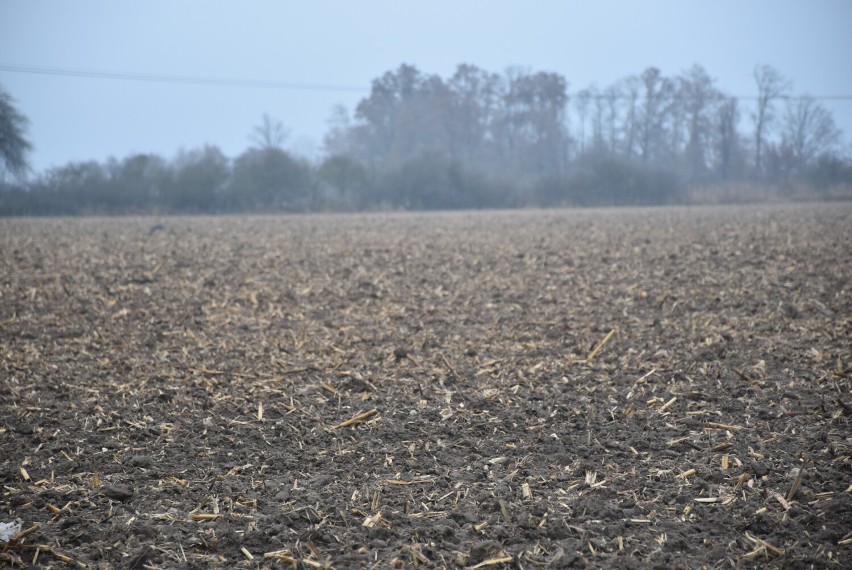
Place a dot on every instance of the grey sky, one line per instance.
(350, 43)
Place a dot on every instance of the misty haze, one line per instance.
(425, 285)
(479, 139)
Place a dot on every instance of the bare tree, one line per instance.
(270, 133)
(337, 137)
(698, 97)
(727, 137)
(532, 125)
(584, 98)
(598, 120)
(611, 96)
(405, 116)
(770, 86)
(657, 94)
(809, 129)
(475, 101)
(678, 127)
(631, 89)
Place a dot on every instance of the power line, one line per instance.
(286, 85)
(184, 79)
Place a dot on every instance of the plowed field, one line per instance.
(604, 388)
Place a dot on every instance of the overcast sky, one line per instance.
(349, 43)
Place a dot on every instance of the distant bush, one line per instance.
(343, 183)
(611, 182)
(435, 183)
(830, 172)
(199, 182)
(267, 179)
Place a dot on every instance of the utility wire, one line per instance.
(185, 79)
(270, 84)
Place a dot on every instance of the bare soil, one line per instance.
(626, 388)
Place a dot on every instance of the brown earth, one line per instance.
(626, 388)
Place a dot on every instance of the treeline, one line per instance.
(198, 181)
(480, 139)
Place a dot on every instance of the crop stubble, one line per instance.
(527, 389)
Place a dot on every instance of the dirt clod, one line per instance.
(117, 493)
